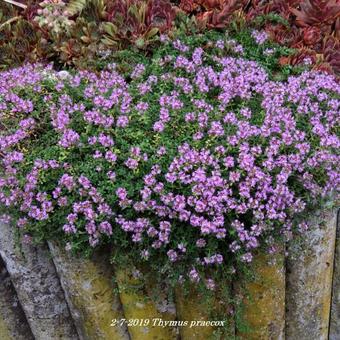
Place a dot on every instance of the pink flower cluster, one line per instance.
(205, 153)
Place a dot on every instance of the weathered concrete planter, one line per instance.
(264, 309)
(190, 308)
(36, 282)
(4, 330)
(309, 280)
(197, 308)
(13, 323)
(139, 306)
(334, 332)
(89, 291)
(288, 299)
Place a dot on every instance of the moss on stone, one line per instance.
(309, 279)
(4, 331)
(138, 305)
(264, 309)
(190, 307)
(89, 289)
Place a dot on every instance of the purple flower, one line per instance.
(69, 229)
(84, 182)
(121, 193)
(105, 227)
(210, 284)
(105, 140)
(173, 256)
(69, 138)
(248, 257)
(110, 156)
(260, 37)
(138, 71)
(67, 181)
(220, 44)
(158, 126)
(145, 254)
(194, 275)
(200, 243)
(122, 121)
(131, 163)
(111, 175)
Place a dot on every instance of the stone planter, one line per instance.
(67, 297)
(89, 292)
(309, 280)
(13, 323)
(264, 308)
(335, 309)
(38, 288)
(138, 306)
(190, 308)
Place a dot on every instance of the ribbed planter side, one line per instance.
(138, 306)
(193, 308)
(13, 323)
(334, 332)
(264, 310)
(38, 287)
(309, 280)
(4, 330)
(89, 291)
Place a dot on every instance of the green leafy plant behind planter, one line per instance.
(20, 40)
(72, 31)
(81, 28)
(307, 25)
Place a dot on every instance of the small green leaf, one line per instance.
(151, 33)
(110, 28)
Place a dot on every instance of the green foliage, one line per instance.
(82, 41)
(78, 32)
(20, 41)
(274, 18)
(77, 6)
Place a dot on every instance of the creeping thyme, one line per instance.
(191, 162)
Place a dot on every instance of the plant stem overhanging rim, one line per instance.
(8, 22)
(15, 3)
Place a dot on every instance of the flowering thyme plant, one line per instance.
(190, 161)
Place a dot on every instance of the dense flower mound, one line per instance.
(193, 160)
